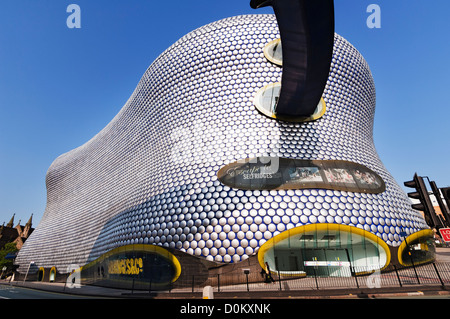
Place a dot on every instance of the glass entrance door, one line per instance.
(324, 250)
(327, 262)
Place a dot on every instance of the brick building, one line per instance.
(17, 234)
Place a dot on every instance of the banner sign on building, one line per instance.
(445, 234)
(286, 173)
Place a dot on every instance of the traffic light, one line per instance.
(425, 204)
(446, 193)
(444, 210)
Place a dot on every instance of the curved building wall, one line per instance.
(150, 176)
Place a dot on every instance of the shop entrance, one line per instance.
(327, 262)
(326, 250)
(314, 261)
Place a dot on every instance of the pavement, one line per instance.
(410, 291)
(443, 254)
(415, 291)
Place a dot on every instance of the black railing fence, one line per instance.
(313, 278)
(319, 278)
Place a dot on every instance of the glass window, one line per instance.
(41, 274)
(328, 250)
(267, 173)
(417, 248)
(266, 101)
(267, 98)
(273, 52)
(140, 265)
(52, 274)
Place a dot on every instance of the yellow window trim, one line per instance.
(141, 248)
(43, 273)
(312, 227)
(52, 271)
(269, 56)
(410, 239)
(260, 109)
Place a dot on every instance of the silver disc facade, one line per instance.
(151, 175)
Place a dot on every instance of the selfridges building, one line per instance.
(197, 172)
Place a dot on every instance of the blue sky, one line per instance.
(61, 86)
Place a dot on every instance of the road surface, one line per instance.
(13, 292)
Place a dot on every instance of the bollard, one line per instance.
(208, 292)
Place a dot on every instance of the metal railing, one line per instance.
(436, 274)
(314, 278)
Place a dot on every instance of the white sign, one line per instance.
(328, 263)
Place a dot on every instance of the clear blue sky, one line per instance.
(61, 86)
